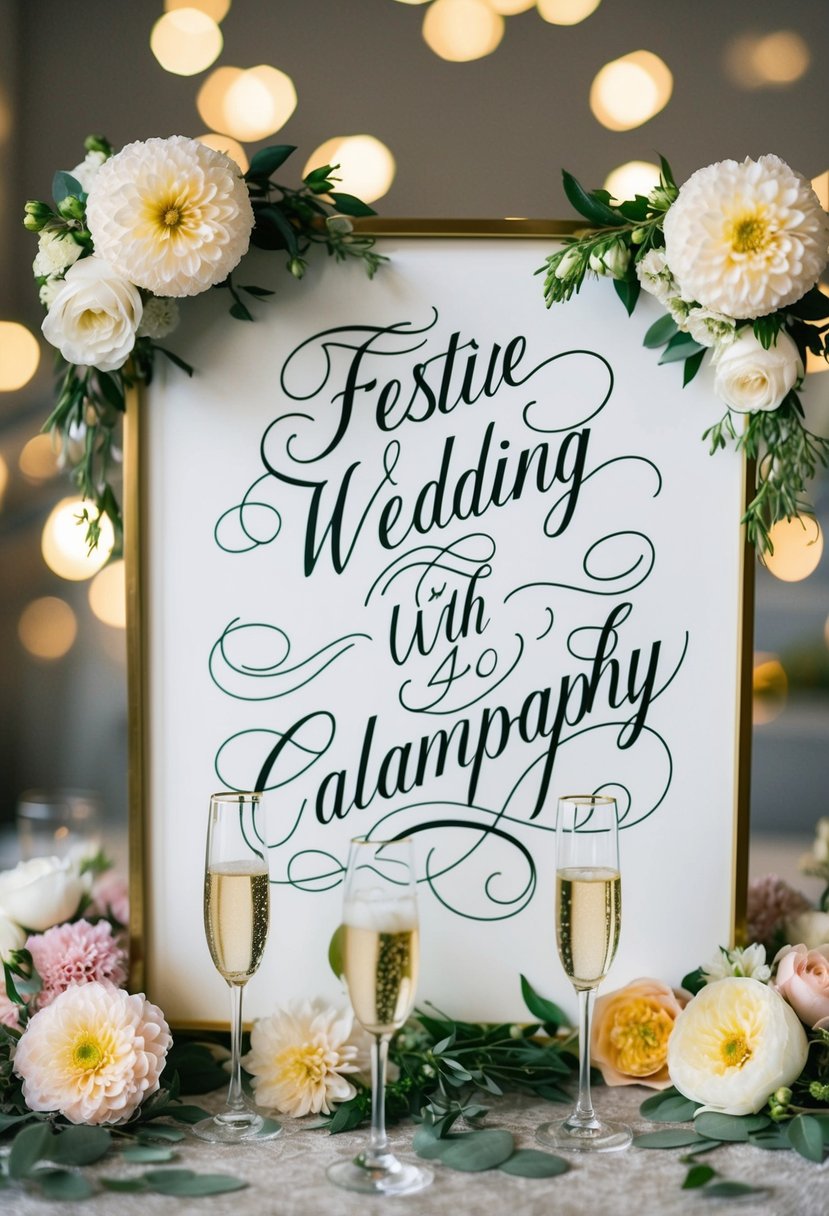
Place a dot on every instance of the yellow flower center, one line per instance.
(87, 1054)
(640, 1034)
(735, 1050)
(172, 217)
(303, 1065)
(749, 233)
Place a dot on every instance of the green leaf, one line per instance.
(733, 1128)
(667, 172)
(726, 1189)
(64, 184)
(670, 1108)
(476, 1151)
(698, 1175)
(814, 306)
(335, 952)
(240, 312)
(805, 1136)
(274, 231)
(144, 1154)
(547, 1011)
(692, 366)
(7, 1121)
(64, 1184)
(628, 292)
(694, 981)
(587, 205)
(347, 1116)
(426, 1142)
(260, 293)
(674, 1137)
(189, 1114)
(160, 1131)
(28, 1147)
(660, 332)
(185, 367)
(532, 1163)
(267, 160)
(80, 1145)
(185, 1182)
(348, 204)
(772, 1139)
(123, 1185)
(634, 209)
(680, 347)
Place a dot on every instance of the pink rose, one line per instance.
(631, 1028)
(803, 979)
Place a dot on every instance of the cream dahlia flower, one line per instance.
(746, 239)
(299, 1057)
(734, 1045)
(172, 215)
(93, 1055)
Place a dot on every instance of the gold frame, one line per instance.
(137, 667)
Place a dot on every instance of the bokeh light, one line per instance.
(770, 686)
(798, 546)
(461, 30)
(774, 60)
(249, 105)
(820, 185)
(216, 9)
(47, 627)
(38, 460)
(19, 356)
(227, 144)
(4, 478)
(186, 41)
(629, 91)
(366, 166)
(63, 542)
(632, 178)
(108, 595)
(511, 8)
(567, 12)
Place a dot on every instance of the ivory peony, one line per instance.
(40, 893)
(300, 1057)
(93, 318)
(746, 238)
(93, 1055)
(748, 378)
(803, 979)
(172, 215)
(734, 1045)
(631, 1029)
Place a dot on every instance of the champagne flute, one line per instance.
(236, 917)
(589, 906)
(380, 957)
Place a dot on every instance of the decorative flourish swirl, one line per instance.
(231, 674)
(449, 560)
(481, 673)
(550, 529)
(240, 755)
(641, 566)
(253, 522)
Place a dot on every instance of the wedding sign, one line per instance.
(418, 557)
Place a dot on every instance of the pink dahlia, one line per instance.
(770, 902)
(93, 1054)
(110, 897)
(76, 954)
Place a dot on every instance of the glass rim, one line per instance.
(588, 799)
(376, 843)
(237, 796)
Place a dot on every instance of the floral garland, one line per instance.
(131, 233)
(734, 256)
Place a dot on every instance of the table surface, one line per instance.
(286, 1176)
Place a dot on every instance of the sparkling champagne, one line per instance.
(380, 956)
(236, 911)
(589, 918)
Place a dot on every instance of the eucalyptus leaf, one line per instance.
(692, 365)
(532, 1163)
(125, 1185)
(698, 1175)
(7, 1121)
(145, 1154)
(80, 1145)
(159, 1131)
(29, 1146)
(185, 1182)
(63, 184)
(674, 1137)
(806, 1137)
(547, 1011)
(64, 1184)
(188, 1114)
(670, 1108)
(660, 332)
(476, 1151)
(628, 292)
(680, 347)
(724, 1188)
(733, 1128)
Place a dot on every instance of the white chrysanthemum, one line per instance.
(748, 961)
(746, 239)
(86, 172)
(56, 252)
(171, 215)
(93, 1055)
(734, 1044)
(710, 328)
(159, 319)
(299, 1057)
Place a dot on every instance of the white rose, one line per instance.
(93, 318)
(12, 937)
(40, 893)
(809, 928)
(56, 251)
(749, 378)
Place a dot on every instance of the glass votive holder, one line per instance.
(52, 823)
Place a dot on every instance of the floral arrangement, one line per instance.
(734, 256)
(131, 233)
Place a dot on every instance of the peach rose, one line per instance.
(803, 979)
(631, 1028)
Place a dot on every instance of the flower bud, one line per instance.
(568, 265)
(297, 267)
(339, 224)
(638, 235)
(97, 143)
(661, 197)
(71, 207)
(36, 215)
(819, 1090)
(783, 1095)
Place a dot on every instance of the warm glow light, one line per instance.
(63, 542)
(216, 9)
(38, 460)
(210, 101)
(460, 30)
(798, 545)
(4, 478)
(366, 166)
(227, 144)
(820, 185)
(186, 41)
(567, 12)
(108, 595)
(257, 103)
(770, 686)
(633, 177)
(47, 627)
(19, 356)
(627, 92)
(509, 8)
(772, 61)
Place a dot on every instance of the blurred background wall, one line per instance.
(526, 89)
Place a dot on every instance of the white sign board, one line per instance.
(419, 557)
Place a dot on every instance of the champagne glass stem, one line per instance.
(584, 1114)
(378, 1142)
(235, 1098)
